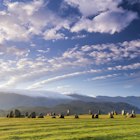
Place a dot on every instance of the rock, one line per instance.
(61, 116)
(32, 115)
(17, 113)
(26, 114)
(133, 111)
(127, 114)
(41, 115)
(96, 116)
(68, 112)
(115, 113)
(92, 116)
(111, 115)
(76, 116)
(123, 112)
(132, 116)
(11, 115)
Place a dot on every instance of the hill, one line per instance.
(79, 107)
(11, 100)
(132, 100)
(54, 102)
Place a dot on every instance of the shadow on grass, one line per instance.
(100, 138)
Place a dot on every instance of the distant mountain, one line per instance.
(132, 100)
(79, 107)
(82, 97)
(135, 101)
(11, 100)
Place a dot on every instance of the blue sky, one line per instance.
(90, 47)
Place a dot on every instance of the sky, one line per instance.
(90, 47)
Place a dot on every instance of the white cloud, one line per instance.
(44, 51)
(53, 35)
(106, 22)
(28, 71)
(103, 53)
(103, 77)
(108, 16)
(93, 7)
(14, 51)
(21, 8)
(44, 82)
(78, 37)
(18, 20)
(9, 83)
(23, 20)
(126, 67)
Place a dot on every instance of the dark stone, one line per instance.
(32, 115)
(26, 114)
(92, 116)
(111, 115)
(96, 116)
(76, 116)
(132, 115)
(41, 115)
(17, 113)
(11, 115)
(61, 116)
(53, 117)
(68, 112)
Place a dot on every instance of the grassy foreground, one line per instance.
(84, 128)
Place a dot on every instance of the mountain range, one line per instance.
(55, 102)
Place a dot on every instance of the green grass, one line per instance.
(84, 128)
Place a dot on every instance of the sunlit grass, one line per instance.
(84, 128)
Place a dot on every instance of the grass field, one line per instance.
(84, 128)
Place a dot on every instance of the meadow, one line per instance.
(84, 128)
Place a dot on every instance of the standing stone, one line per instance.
(41, 115)
(61, 116)
(92, 116)
(68, 112)
(133, 111)
(26, 114)
(111, 115)
(76, 116)
(11, 115)
(17, 113)
(96, 116)
(32, 115)
(123, 112)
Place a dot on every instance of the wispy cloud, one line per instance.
(42, 83)
(103, 77)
